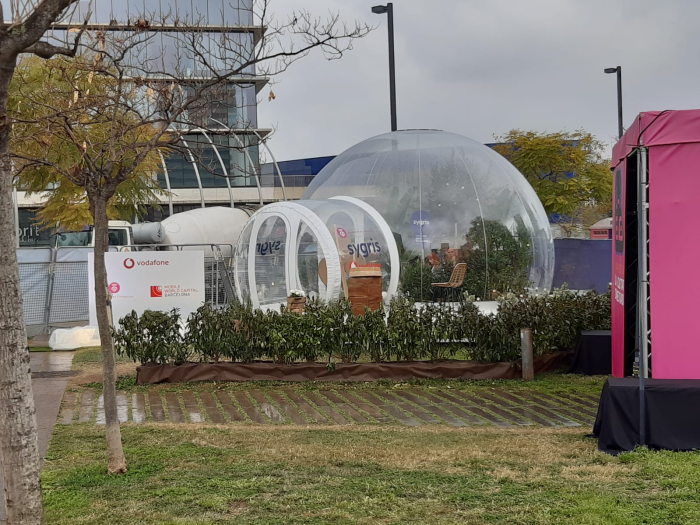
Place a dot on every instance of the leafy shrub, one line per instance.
(155, 337)
(368, 335)
(556, 321)
(327, 321)
(209, 332)
(403, 333)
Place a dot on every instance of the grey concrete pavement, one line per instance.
(48, 387)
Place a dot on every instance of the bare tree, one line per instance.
(19, 451)
(139, 90)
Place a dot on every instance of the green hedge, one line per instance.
(330, 331)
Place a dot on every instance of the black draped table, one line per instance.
(672, 414)
(593, 354)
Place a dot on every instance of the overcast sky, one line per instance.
(483, 67)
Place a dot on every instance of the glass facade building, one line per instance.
(223, 134)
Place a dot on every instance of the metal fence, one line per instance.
(54, 282)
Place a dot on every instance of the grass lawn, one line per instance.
(186, 474)
(40, 349)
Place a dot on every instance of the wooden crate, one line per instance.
(365, 289)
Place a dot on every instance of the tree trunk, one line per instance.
(103, 304)
(19, 446)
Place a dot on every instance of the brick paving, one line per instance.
(413, 406)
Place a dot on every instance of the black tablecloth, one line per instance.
(593, 355)
(672, 414)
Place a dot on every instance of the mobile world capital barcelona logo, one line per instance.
(172, 291)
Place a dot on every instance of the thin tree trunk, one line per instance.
(117, 460)
(19, 446)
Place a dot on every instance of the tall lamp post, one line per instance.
(618, 70)
(389, 10)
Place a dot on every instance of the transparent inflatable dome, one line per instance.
(447, 199)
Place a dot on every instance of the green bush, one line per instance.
(556, 321)
(155, 337)
(210, 333)
(436, 331)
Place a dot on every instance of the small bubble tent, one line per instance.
(414, 202)
(311, 246)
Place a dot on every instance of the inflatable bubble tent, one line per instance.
(415, 203)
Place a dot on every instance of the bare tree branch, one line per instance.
(46, 50)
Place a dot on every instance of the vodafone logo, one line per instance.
(129, 263)
(114, 288)
(342, 233)
(156, 291)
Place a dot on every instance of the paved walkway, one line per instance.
(413, 406)
(50, 372)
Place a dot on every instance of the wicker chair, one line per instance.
(456, 280)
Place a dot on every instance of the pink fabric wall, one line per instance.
(656, 128)
(673, 139)
(618, 271)
(674, 254)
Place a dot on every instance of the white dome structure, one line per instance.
(448, 199)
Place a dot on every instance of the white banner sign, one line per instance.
(150, 281)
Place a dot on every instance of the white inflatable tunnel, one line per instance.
(310, 246)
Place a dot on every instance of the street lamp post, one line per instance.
(618, 70)
(389, 10)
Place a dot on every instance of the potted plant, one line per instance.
(296, 301)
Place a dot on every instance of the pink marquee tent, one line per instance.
(657, 161)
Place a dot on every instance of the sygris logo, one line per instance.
(364, 248)
(263, 248)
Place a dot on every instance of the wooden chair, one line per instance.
(456, 279)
